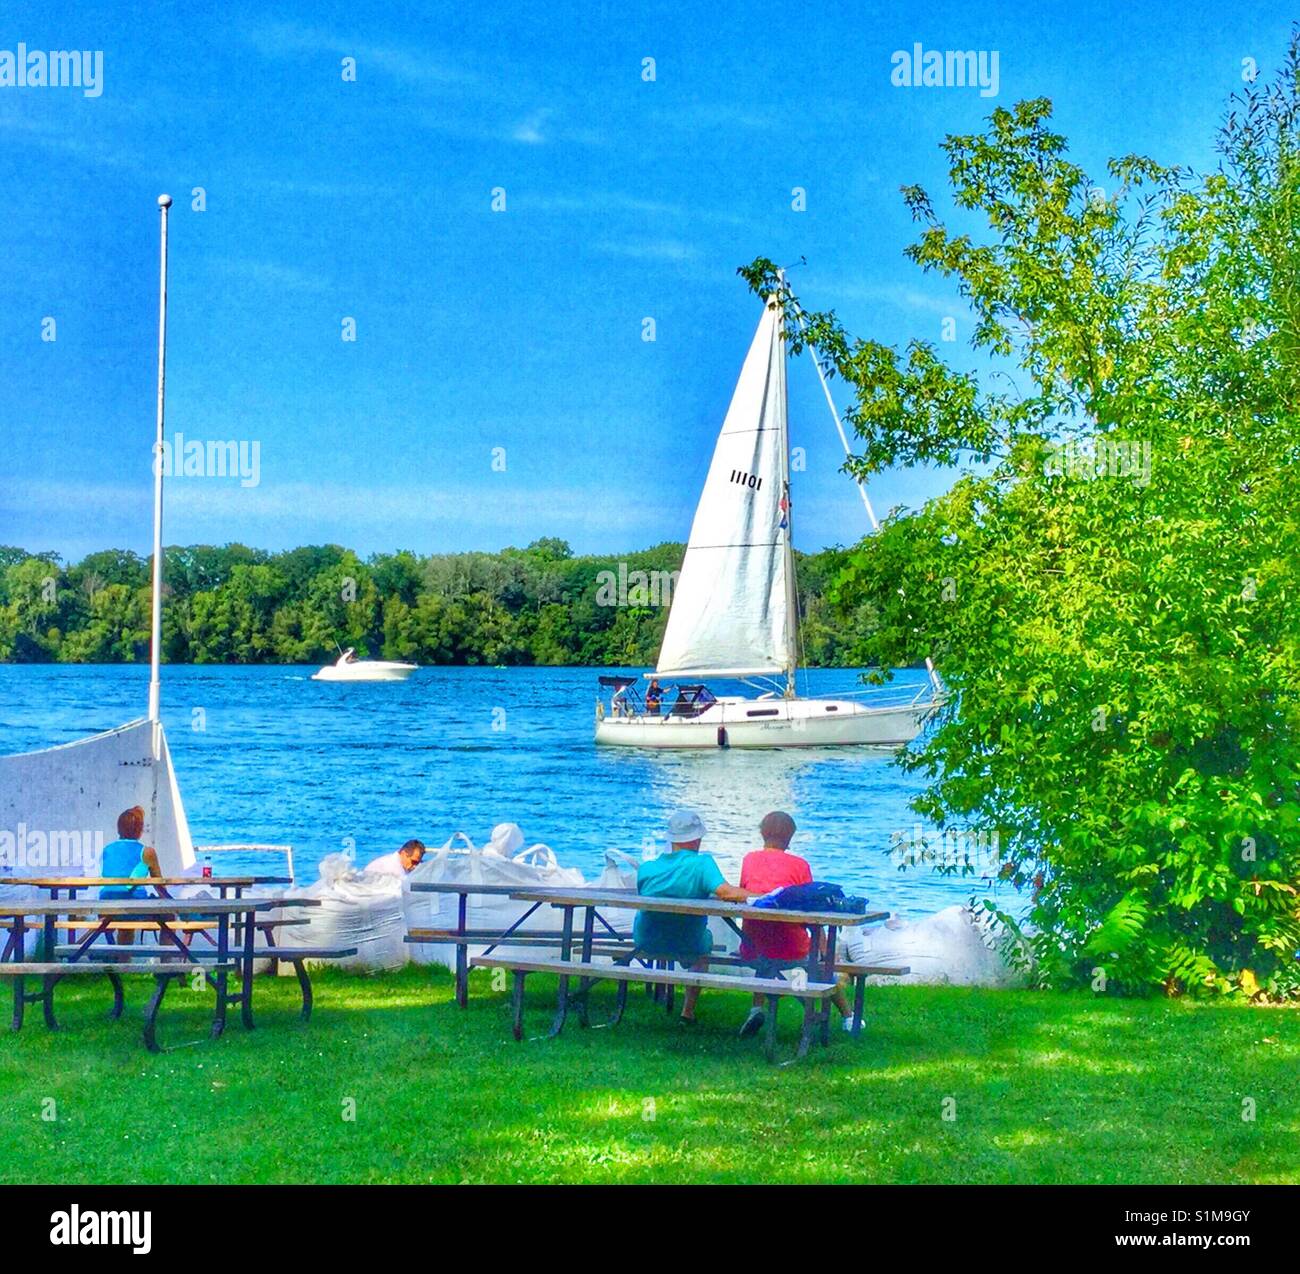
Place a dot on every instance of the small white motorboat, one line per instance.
(349, 668)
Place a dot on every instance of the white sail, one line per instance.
(59, 806)
(733, 610)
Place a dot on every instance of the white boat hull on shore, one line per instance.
(770, 723)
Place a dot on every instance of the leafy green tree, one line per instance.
(397, 575)
(118, 630)
(204, 567)
(341, 609)
(550, 549)
(301, 566)
(33, 592)
(434, 629)
(109, 566)
(1109, 588)
(235, 604)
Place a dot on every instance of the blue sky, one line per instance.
(520, 329)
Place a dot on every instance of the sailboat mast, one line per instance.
(791, 590)
(155, 644)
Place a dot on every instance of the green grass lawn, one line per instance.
(1043, 1087)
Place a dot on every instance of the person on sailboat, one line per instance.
(653, 697)
(683, 872)
(769, 945)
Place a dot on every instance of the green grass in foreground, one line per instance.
(1047, 1088)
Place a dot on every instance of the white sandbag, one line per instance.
(619, 872)
(460, 861)
(505, 840)
(358, 909)
(949, 948)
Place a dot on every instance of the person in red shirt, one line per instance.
(769, 944)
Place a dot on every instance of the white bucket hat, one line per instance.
(683, 826)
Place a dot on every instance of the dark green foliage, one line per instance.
(233, 604)
(1121, 646)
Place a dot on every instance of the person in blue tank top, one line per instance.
(125, 856)
(683, 872)
(128, 856)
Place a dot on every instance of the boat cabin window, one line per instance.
(763, 712)
(691, 701)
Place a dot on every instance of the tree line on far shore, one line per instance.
(237, 605)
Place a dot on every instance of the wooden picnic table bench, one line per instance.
(858, 975)
(51, 972)
(101, 914)
(462, 936)
(819, 971)
(128, 926)
(296, 956)
(774, 991)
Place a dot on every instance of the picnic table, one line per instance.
(813, 984)
(462, 936)
(72, 885)
(173, 919)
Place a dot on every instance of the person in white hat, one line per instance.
(683, 872)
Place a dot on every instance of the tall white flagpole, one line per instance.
(155, 655)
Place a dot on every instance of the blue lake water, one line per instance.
(283, 759)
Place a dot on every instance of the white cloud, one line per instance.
(272, 274)
(897, 294)
(400, 62)
(604, 202)
(649, 249)
(529, 130)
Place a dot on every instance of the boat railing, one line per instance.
(627, 701)
(204, 854)
(894, 696)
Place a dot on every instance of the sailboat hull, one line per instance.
(771, 723)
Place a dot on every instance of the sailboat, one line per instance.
(734, 612)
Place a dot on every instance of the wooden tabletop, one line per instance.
(92, 882)
(465, 887)
(694, 906)
(145, 907)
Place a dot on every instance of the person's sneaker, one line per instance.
(753, 1023)
(848, 1022)
(685, 1021)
